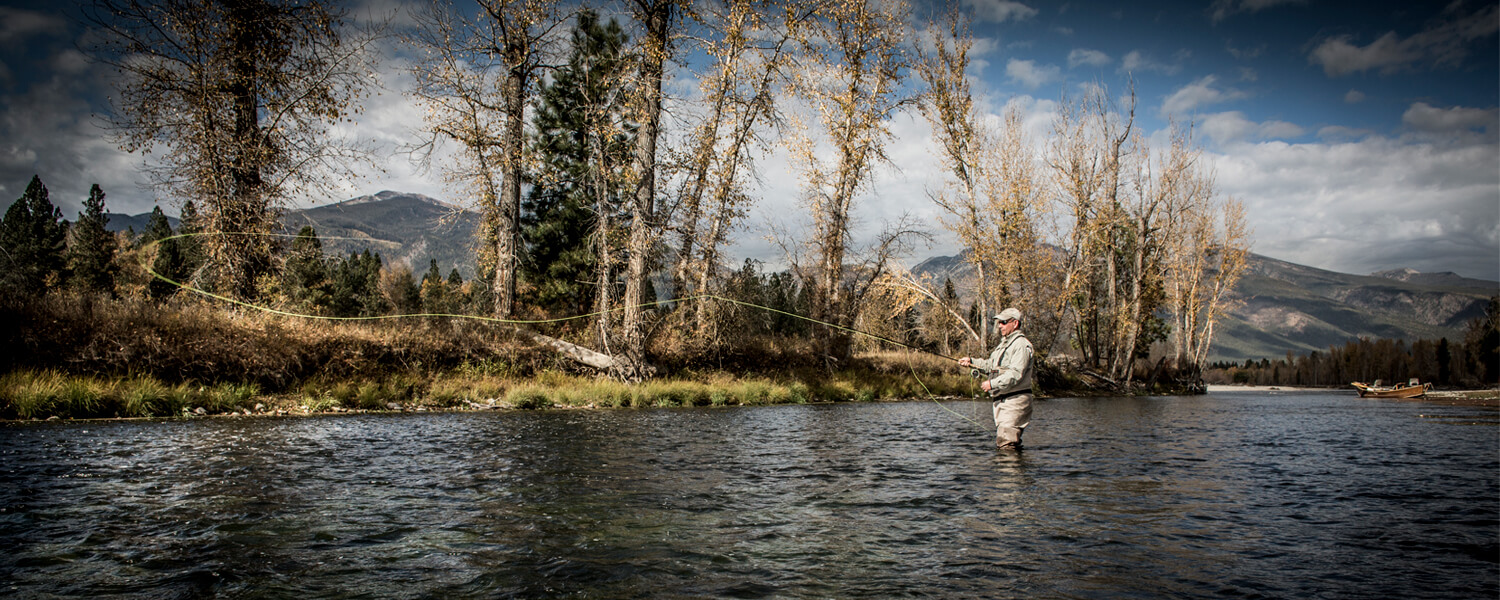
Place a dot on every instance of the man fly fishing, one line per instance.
(1008, 379)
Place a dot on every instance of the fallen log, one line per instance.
(618, 367)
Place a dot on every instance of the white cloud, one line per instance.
(1354, 97)
(1424, 118)
(48, 131)
(1136, 61)
(1339, 133)
(1198, 93)
(1028, 74)
(1230, 127)
(1085, 56)
(18, 24)
(1442, 44)
(1222, 9)
(1245, 53)
(1370, 204)
(1000, 11)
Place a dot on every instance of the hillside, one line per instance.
(139, 223)
(1280, 306)
(404, 228)
(410, 229)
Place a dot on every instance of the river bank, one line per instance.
(1483, 398)
(82, 357)
(40, 395)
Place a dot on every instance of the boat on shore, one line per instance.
(1412, 389)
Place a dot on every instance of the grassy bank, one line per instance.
(30, 394)
(73, 357)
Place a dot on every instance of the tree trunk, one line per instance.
(656, 16)
(507, 238)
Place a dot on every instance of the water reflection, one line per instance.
(1289, 495)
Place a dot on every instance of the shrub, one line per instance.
(30, 394)
(371, 396)
(230, 397)
(528, 398)
(148, 397)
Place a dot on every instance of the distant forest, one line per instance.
(1468, 363)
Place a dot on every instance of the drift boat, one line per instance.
(1411, 390)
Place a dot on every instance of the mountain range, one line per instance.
(409, 229)
(1277, 307)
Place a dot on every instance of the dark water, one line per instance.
(1230, 495)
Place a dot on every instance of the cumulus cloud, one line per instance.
(48, 132)
(1223, 9)
(999, 11)
(1371, 203)
(1424, 118)
(1198, 93)
(1028, 74)
(19, 24)
(1442, 44)
(1087, 57)
(1136, 61)
(1354, 97)
(1229, 127)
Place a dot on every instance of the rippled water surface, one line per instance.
(1228, 495)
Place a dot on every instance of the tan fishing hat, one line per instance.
(1009, 314)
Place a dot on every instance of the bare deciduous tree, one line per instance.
(747, 48)
(852, 64)
(237, 97)
(658, 19)
(996, 194)
(476, 78)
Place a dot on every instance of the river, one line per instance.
(1251, 495)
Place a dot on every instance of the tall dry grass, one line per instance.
(74, 356)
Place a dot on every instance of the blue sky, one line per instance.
(1362, 136)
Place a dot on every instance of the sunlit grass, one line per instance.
(39, 394)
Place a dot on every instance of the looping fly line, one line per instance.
(697, 297)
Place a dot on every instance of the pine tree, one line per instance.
(33, 239)
(400, 289)
(434, 292)
(91, 257)
(170, 261)
(355, 290)
(458, 297)
(582, 147)
(190, 224)
(305, 275)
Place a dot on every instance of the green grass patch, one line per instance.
(529, 397)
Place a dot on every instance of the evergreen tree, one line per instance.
(582, 146)
(401, 290)
(33, 238)
(189, 224)
(434, 292)
(305, 276)
(169, 261)
(458, 298)
(355, 289)
(1483, 339)
(91, 257)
